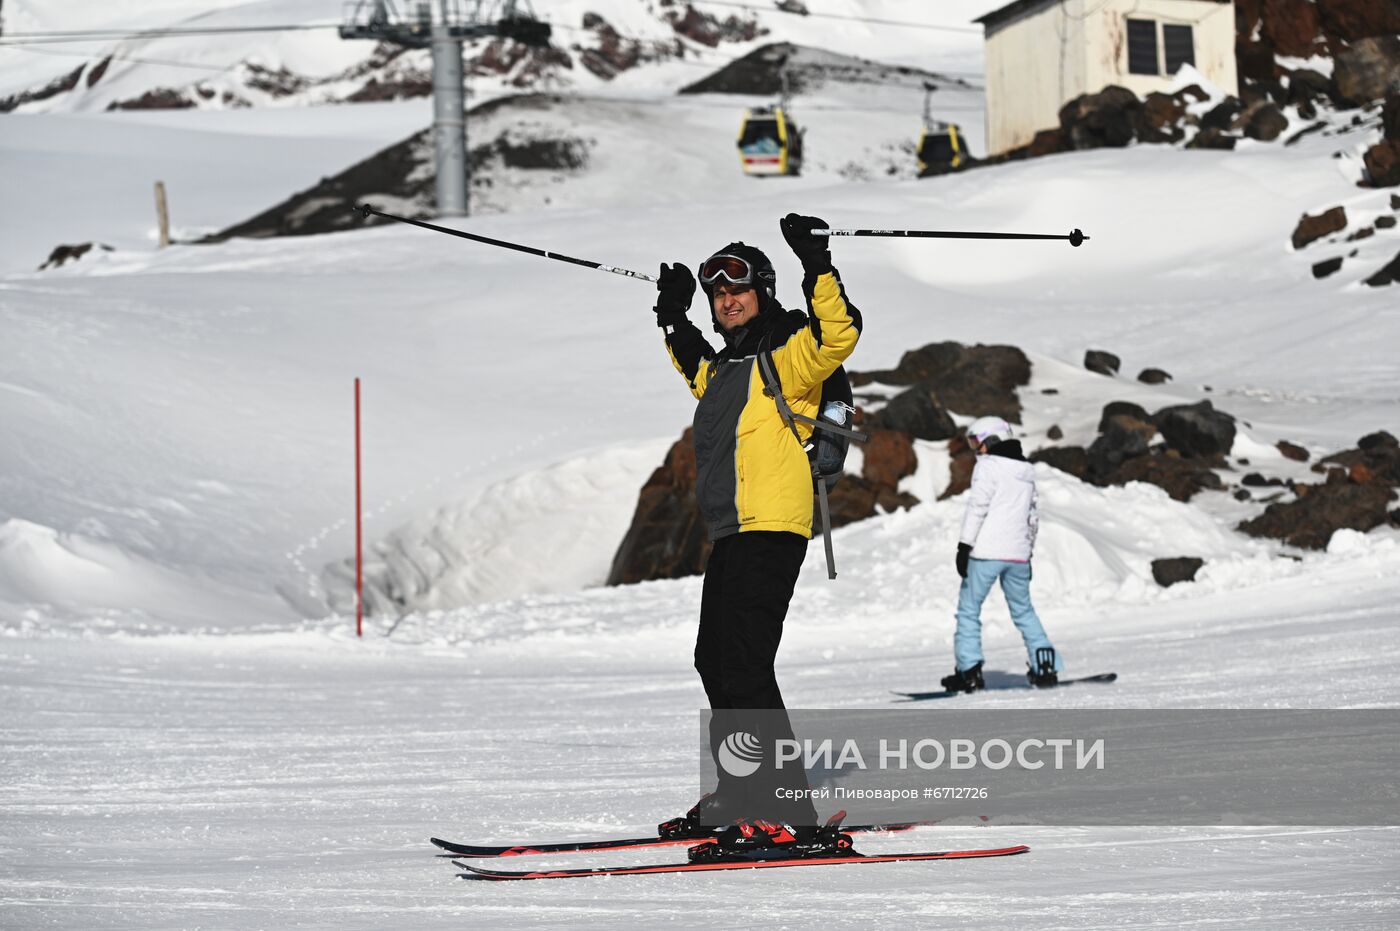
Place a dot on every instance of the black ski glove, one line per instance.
(813, 251)
(964, 553)
(675, 288)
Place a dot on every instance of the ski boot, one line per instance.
(694, 822)
(965, 680)
(1042, 675)
(755, 839)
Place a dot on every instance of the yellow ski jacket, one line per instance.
(752, 473)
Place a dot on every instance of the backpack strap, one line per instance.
(773, 387)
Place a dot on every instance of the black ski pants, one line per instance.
(749, 580)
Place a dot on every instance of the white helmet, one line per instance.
(989, 430)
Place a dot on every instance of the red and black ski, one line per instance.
(625, 843)
(475, 872)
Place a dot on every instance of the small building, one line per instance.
(1041, 54)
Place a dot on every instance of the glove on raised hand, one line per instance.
(813, 251)
(675, 287)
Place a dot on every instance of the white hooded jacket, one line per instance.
(1001, 519)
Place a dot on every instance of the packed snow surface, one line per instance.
(194, 736)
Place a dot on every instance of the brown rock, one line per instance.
(1180, 478)
(1320, 511)
(960, 467)
(972, 380)
(1367, 70)
(1312, 228)
(1362, 474)
(889, 457)
(1161, 118)
(1292, 451)
(1071, 459)
(1101, 362)
(1213, 138)
(1055, 433)
(918, 413)
(1109, 118)
(1153, 376)
(1390, 117)
(1292, 26)
(1127, 409)
(1196, 430)
(1383, 164)
(857, 498)
(1168, 572)
(1266, 123)
(1387, 275)
(1046, 142)
(667, 538)
(1123, 438)
(1350, 20)
(1327, 267)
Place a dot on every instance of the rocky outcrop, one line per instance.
(1319, 511)
(1356, 494)
(1382, 162)
(161, 98)
(888, 457)
(667, 538)
(1196, 437)
(917, 413)
(1196, 431)
(969, 380)
(402, 173)
(1368, 70)
(59, 85)
(710, 30)
(1350, 20)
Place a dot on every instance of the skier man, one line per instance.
(754, 487)
(998, 536)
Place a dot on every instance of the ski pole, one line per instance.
(365, 210)
(1075, 237)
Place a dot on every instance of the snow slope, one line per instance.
(193, 741)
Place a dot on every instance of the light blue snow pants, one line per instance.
(1015, 578)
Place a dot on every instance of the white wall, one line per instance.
(1038, 62)
(1213, 30)
(1034, 64)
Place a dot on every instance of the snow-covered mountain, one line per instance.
(596, 43)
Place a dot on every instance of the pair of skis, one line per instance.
(463, 851)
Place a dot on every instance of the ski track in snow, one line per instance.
(181, 749)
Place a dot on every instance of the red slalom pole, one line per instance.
(359, 530)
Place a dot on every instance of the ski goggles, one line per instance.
(729, 267)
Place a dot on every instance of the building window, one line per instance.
(1142, 47)
(1179, 46)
